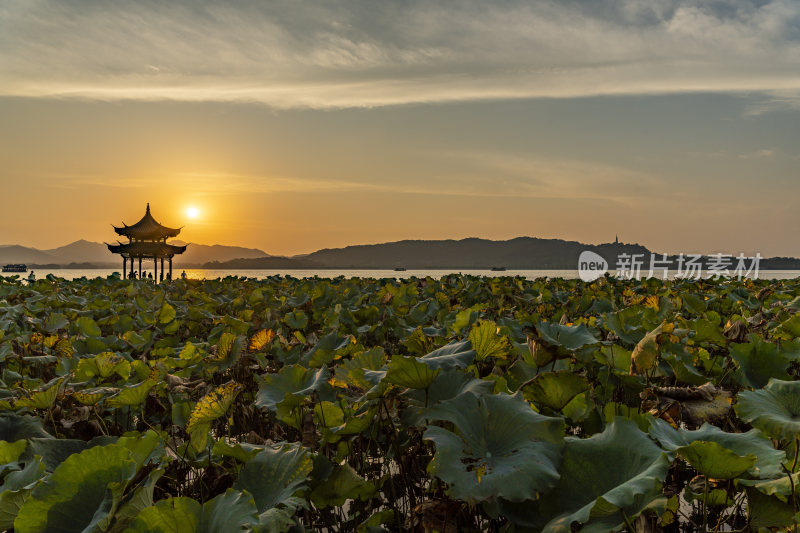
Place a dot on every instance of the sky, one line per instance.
(299, 125)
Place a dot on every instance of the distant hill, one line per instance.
(472, 253)
(522, 253)
(264, 263)
(14, 253)
(515, 254)
(89, 254)
(198, 254)
(81, 251)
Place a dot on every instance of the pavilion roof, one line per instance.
(147, 229)
(146, 249)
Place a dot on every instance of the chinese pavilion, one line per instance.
(147, 240)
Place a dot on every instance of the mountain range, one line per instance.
(464, 254)
(86, 254)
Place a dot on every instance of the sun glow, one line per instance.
(192, 212)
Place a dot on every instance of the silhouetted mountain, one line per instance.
(516, 254)
(198, 254)
(81, 251)
(14, 253)
(96, 255)
(521, 253)
(264, 263)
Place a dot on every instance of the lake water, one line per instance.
(194, 273)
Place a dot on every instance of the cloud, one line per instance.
(765, 153)
(365, 53)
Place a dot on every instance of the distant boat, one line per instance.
(400, 269)
(498, 269)
(15, 268)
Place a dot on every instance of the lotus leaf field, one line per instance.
(453, 404)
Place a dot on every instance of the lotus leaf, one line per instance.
(501, 448)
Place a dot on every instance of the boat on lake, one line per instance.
(498, 269)
(15, 268)
(400, 269)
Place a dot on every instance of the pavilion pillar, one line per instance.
(170, 268)
(140, 267)
(130, 276)
(155, 269)
(162, 269)
(124, 266)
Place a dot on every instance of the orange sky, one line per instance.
(673, 124)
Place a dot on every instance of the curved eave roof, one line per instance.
(147, 228)
(147, 249)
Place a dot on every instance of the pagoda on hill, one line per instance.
(147, 240)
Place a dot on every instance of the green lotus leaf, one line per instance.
(571, 338)
(296, 319)
(10, 451)
(291, 384)
(715, 461)
(210, 407)
(274, 475)
(775, 409)
(54, 322)
(329, 414)
(11, 501)
(759, 361)
(447, 385)
(418, 343)
(694, 303)
(325, 350)
(88, 327)
(706, 331)
(140, 498)
(555, 389)
(617, 471)
(16, 488)
(627, 324)
(103, 365)
(32, 471)
(231, 511)
(240, 451)
(43, 398)
(69, 499)
(342, 485)
(769, 512)
(146, 447)
(351, 371)
(501, 448)
(173, 515)
(782, 486)
(451, 356)
(752, 443)
(487, 342)
(166, 314)
(55, 451)
(229, 348)
(93, 395)
(791, 326)
(132, 394)
(409, 372)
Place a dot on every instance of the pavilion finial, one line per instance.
(148, 208)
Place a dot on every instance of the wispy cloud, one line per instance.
(764, 153)
(365, 53)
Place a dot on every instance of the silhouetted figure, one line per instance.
(31, 277)
(133, 275)
(183, 275)
(150, 275)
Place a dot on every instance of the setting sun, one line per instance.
(192, 212)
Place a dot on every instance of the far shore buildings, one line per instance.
(147, 239)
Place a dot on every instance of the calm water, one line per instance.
(212, 274)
